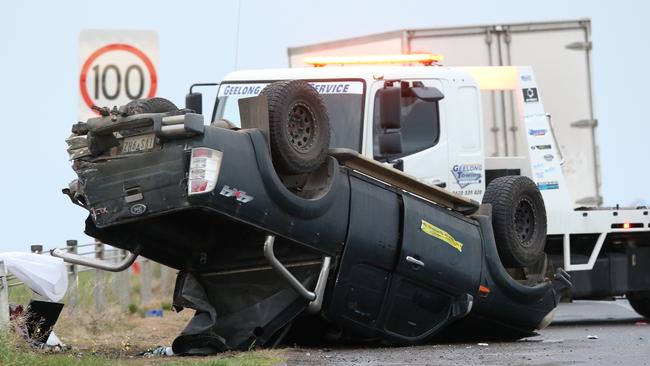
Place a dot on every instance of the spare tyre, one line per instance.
(518, 220)
(298, 126)
(151, 105)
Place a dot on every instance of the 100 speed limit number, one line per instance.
(115, 74)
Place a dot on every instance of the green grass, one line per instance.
(14, 352)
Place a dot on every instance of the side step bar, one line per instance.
(97, 263)
(316, 297)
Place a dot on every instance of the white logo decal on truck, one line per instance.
(466, 174)
(530, 95)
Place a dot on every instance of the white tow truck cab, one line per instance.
(607, 250)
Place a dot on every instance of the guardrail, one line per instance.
(120, 282)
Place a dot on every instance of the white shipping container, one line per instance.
(560, 54)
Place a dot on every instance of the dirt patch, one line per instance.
(113, 331)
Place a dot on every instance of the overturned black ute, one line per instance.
(276, 235)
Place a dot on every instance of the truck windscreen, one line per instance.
(343, 100)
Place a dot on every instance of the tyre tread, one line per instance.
(503, 194)
(150, 105)
(278, 96)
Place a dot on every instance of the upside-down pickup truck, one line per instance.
(287, 215)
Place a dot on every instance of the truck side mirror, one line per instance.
(390, 121)
(390, 143)
(427, 93)
(390, 108)
(194, 101)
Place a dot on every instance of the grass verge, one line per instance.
(15, 352)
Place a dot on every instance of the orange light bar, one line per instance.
(626, 225)
(423, 58)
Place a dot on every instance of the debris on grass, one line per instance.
(154, 313)
(158, 352)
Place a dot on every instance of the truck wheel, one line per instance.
(152, 105)
(298, 126)
(640, 301)
(518, 219)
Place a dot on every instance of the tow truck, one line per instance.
(344, 200)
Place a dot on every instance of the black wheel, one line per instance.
(298, 126)
(152, 105)
(518, 219)
(640, 301)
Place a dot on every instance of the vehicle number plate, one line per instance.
(138, 143)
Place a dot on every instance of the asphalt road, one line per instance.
(583, 333)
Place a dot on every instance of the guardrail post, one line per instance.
(145, 285)
(124, 285)
(99, 279)
(4, 295)
(165, 283)
(73, 277)
(114, 255)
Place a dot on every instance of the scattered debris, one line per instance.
(126, 345)
(592, 336)
(54, 341)
(154, 313)
(160, 351)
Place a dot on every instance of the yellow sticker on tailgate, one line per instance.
(438, 233)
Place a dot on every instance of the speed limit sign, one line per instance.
(115, 68)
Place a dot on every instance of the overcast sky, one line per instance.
(39, 77)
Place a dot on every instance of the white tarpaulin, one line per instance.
(44, 274)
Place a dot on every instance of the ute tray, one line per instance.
(355, 161)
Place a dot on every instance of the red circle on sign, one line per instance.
(116, 47)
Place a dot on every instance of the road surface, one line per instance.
(584, 333)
